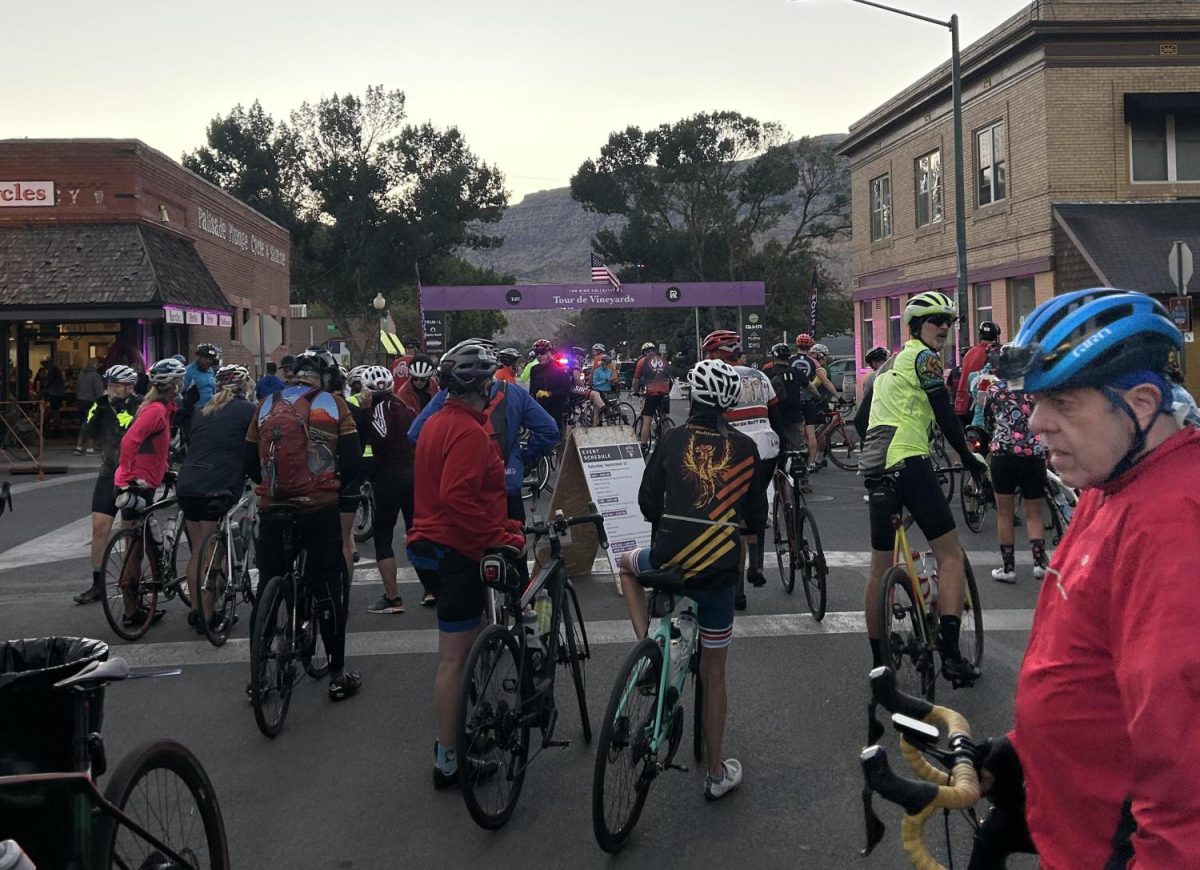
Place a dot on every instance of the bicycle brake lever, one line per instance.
(875, 827)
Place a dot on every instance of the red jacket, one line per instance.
(973, 360)
(145, 447)
(414, 398)
(1108, 698)
(458, 489)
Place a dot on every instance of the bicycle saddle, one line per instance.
(668, 578)
(280, 511)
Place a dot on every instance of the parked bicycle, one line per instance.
(225, 568)
(659, 423)
(508, 684)
(838, 440)
(159, 809)
(142, 562)
(285, 637)
(364, 516)
(797, 539)
(643, 724)
(975, 494)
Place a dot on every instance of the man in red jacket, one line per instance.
(460, 509)
(973, 360)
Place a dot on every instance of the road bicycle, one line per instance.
(225, 567)
(908, 614)
(284, 635)
(616, 413)
(797, 539)
(837, 440)
(643, 724)
(944, 470)
(142, 562)
(1060, 501)
(158, 810)
(508, 684)
(660, 422)
(364, 515)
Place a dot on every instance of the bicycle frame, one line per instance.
(902, 556)
(156, 550)
(227, 529)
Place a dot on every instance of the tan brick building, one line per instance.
(111, 251)
(1074, 115)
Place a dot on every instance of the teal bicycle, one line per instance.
(643, 725)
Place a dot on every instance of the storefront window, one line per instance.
(1021, 301)
(867, 330)
(895, 336)
(983, 305)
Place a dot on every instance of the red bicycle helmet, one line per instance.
(804, 341)
(723, 341)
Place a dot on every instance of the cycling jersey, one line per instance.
(205, 383)
(214, 459)
(388, 431)
(145, 447)
(107, 421)
(1007, 414)
(791, 388)
(415, 398)
(749, 415)
(806, 365)
(604, 378)
(651, 373)
(901, 417)
(1108, 692)
(973, 360)
(505, 373)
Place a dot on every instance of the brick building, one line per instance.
(110, 250)
(1081, 122)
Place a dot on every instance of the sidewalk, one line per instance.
(57, 459)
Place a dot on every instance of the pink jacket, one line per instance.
(145, 447)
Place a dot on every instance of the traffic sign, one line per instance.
(261, 334)
(1180, 265)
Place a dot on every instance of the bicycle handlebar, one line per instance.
(560, 524)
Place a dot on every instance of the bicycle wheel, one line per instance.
(1058, 523)
(945, 478)
(625, 766)
(177, 562)
(970, 636)
(973, 499)
(906, 647)
(811, 556)
(214, 581)
(623, 414)
(122, 570)
(164, 789)
(364, 518)
(697, 707)
(313, 653)
(844, 447)
(492, 744)
(272, 657)
(574, 652)
(781, 525)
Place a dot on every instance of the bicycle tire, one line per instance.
(272, 658)
(178, 559)
(625, 749)
(781, 530)
(812, 557)
(576, 654)
(970, 637)
(973, 500)
(364, 519)
(151, 770)
(945, 478)
(697, 707)
(490, 733)
(214, 571)
(116, 554)
(625, 415)
(906, 646)
(1058, 523)
(843, 447)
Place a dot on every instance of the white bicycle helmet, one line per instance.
(232, 377)
(166, 372)
(354, 380)
(377, 379)
(120, 375)
(421, 368)
(819, 350)
(715, 382)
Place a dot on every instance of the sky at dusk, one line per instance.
(536, 86)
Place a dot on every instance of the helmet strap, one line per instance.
(1138, 444)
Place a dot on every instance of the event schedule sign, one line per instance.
(613, 472)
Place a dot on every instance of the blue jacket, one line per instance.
(268, 385)
(521, 412)
(204, 382)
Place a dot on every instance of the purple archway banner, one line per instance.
(527, 296)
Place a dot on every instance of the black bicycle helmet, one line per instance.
(467, 368)
(208, 350)
(316, 359)
(781, 350)
(989, 330)
(876, 355)
(508, 356)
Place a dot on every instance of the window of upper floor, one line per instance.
(881, 208)
(928, 181)
(991, 165)
(1165, 147)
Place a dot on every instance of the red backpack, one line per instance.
(292, 466)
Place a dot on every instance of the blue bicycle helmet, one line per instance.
(1090, 338)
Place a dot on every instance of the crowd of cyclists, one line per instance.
(1087, 384)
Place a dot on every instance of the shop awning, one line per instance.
(96, 271)
(1127, 244)
(391, 343)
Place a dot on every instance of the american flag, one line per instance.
(601, 272)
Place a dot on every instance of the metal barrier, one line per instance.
(22, 428)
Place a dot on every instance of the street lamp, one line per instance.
(960, 198)
(380, 306)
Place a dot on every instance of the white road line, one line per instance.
(52, 481)
(600, 633)
(66, 542)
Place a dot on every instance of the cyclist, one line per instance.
(308, 420)
(606, 380)
(1107, 752)
(199, 380)
(510, 365)
(805, 363)
(793, 391)
(143, 463)
(1183, 405)
(550, 383)
(211, 469)
(973, 360)
(421, 384)
(269, 383)
(874, 359)
(359, 399)
(753, 414)
(106, 423)
(909, 396)
(391, 476)
(459, 510)
(699, 490)
(651, 379)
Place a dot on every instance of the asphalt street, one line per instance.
(349, 785)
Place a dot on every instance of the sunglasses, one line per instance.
(942, 320)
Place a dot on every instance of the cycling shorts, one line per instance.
(794, 437)
(714, 607)
(204, 508)
(915, 486)
(104, 494)
(1010, 472)
(653, 404)
(455, 580)
(812, 413)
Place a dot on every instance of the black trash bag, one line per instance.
(37, 721)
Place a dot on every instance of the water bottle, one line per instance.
(13, 857)
(156, 532)
(541, 606)
(681, 646)
(242, 539)
(928, 582)
(533, 643)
